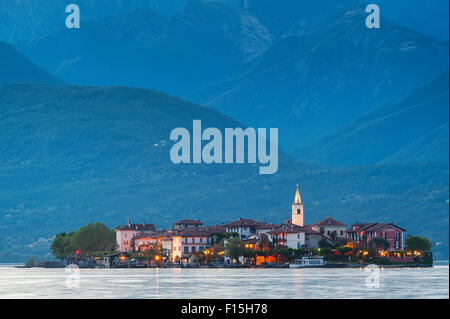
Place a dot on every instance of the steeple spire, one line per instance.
(297, 200)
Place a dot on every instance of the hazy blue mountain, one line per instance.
(32, 19)
(71, 155)
(416, 128)
(428, 17)
(15, 68)
(204, 43)
(309, 85)
(305, 68)
(430, 147)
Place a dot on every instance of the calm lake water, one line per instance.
(225, 283)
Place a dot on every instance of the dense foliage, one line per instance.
(91, 239)
(418, 243)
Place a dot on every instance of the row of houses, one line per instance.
(187, 237)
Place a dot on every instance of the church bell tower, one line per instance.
(297, 209)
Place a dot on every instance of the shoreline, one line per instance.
(326, 266)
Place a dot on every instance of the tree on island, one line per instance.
(418, 243)
(378, 243)
(234, 248)
(221, 236)
(286, 253)
(30, 262)
(323, 243)
(90, 239)
(264, 243)
(250, 253)
(344, 250)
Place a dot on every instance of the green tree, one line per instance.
(322, 231)
(378, 243)
(344, 250)
(324, 243)
(333, 236)
(264, 243)
(30, 262)
(250, 254)
(62, 246)
(287, 253)
(326, 251)
(94, 237)
(234, 248)
(263, 253)
(221, 236)
(418, 243)
(299, 252)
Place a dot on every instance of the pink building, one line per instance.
(125, 234)
(194, 240)
(364, 232)
(174, 244)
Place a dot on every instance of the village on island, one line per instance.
(243, 243)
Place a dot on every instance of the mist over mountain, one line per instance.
(306, 68)
(204, 43)
(14, 68)
(413, 129)
(428, 17)
(309, 85)
(32, 19)
(72, 155)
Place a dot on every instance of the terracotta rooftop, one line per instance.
(138, 227)
(159, 234)
(293, 229)
(370, 227)
(194, 233)
(268, 226)
(329, 222)
(188, 222)
(215, 229)
(244, 222)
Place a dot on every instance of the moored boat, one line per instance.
(306, 262)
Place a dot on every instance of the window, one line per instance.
(298, 245)
(342, 233)
(328, 232)
(193, 240)
(397, 236)
(298, 236)
(200, 248)
(126, 234)
(186, 250)
(193, 249)
(397, 244)
(298, 211)
(201, 240)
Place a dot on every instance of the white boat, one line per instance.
(306, 262)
